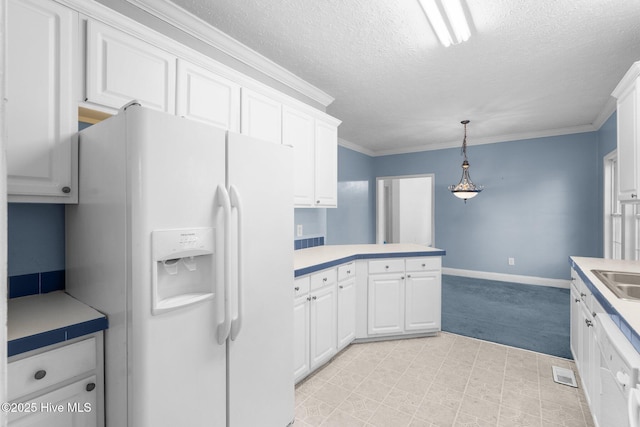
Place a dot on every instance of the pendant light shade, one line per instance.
(465, 189)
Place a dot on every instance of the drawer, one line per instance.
(423, 264)
(393, 265)
(51, 367)
(346, 271)
(323, 278)
(301, 286)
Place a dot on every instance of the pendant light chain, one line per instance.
(465, 189)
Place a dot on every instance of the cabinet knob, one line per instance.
(40, 374)
(297, 288)
(317, 202)
(583, 295)
(324, 279)
(386, 266)
(577, 299)
(424, 265)
(308, 298)
(66, 190)
(409, 276)
(314, 298)
(588, 322)
(634, 196)
(90, 386)
(348, 271)
(341, 287)
(402, 278)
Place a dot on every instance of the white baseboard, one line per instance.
(514, 278)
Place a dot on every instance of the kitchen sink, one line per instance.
(624, 285)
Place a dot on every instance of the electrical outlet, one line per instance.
(512, 261)
(299, 230)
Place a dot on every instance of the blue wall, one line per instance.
(353, 221)
(527, 211)
(35, 238)
(539, 204)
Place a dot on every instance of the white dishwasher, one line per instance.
(618, 376)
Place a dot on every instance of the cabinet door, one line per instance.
(422, 301)
(300, 337)
(627, 117)
(575, 325)
(346, 312)
(42, 102)
(586, 342)
(207, 97)
(386, 304)
(326, 171)
(298, 131)
(72, 405)
(261, 117)
(122, 68)
(323, 325)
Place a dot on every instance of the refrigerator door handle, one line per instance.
(236, 323)
(222, 289)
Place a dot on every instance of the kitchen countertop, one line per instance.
(307, 261)
(625, 313)
(37, 321)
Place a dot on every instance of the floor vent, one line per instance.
(564, 376)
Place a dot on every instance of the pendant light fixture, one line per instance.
(465, 189)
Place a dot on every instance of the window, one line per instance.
(621, 221)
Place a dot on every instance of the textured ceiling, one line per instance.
(531, 67)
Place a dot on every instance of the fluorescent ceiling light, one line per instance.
(451, 27)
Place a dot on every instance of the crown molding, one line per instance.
(488, 140)
(629, 78)
(355, 147)
(608, 109)
(198, 28)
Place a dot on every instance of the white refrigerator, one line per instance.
(183, 237)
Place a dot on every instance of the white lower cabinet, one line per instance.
(404, 296)
(584, 337)
(301, 340)
(71, 405)
(315, 321)
(386, 303)
(386, 298)
(346, 304)
(323, 325)
(59, 385)
(422, 301)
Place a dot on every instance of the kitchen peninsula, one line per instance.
(347, 293)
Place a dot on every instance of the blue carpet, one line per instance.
(524, 316)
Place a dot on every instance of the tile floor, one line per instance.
(448, 380)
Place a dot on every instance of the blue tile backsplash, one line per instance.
(310, 242)
(36, 283)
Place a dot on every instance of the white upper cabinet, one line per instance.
(315, 144)
(628, 151)
(206, 97)
(326, 171)
(261, 116)
(298, 131)
(42, 102)
(121, 68)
